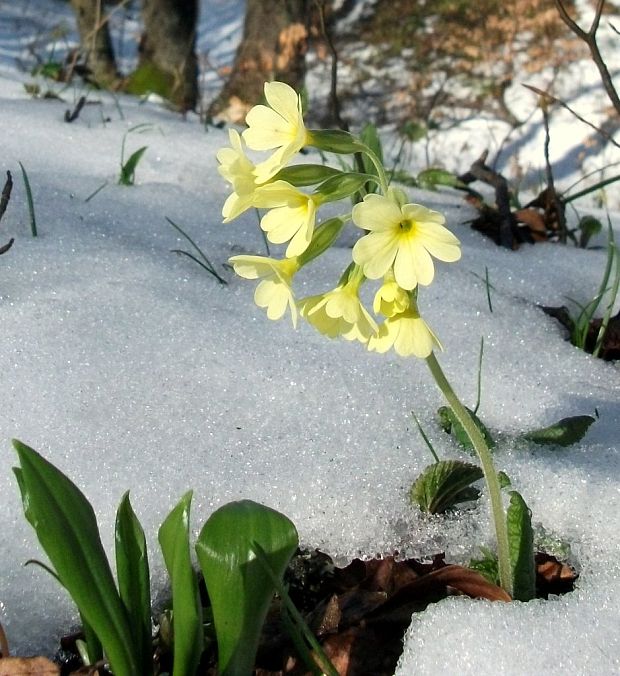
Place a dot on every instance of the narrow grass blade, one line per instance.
(613, 258)
(128, 169)
(66, 527)
(308, 647)
(33, 220)
(206, 264)
(239, 587)
(426, 439)
(186, 611)
(96, 192)
(132, 572)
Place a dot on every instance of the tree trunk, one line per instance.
(95, 42)
(273, 47)
(168, 61)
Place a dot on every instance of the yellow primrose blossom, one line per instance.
(407, 333)
(274, 291)
(390, 298)
(279, 125)
(292, 215)
(339, 312)
(238, 170)
(404, 237)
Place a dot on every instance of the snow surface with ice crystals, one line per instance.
(130, 368)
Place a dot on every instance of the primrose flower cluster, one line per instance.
(400, 241)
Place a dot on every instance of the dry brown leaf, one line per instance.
(28, 666)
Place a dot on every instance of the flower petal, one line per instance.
(284, 100)
(375, 253)
(376, 213)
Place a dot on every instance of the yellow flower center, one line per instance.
(406, 225)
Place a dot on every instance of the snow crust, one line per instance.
(130, 368)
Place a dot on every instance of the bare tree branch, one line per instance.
(589, 38)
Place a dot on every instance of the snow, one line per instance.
(131, 368)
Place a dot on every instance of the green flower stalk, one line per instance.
(401, 241)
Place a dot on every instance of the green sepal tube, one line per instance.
(341, 186)
(324, 236)
(335, 141)
(301, 175)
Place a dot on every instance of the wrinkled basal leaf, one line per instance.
(521, 544)
(66, 527)
(445, 484)
(239, 587)
(451, 425)
(565, 432)
(173, 538)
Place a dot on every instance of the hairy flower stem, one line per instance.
(383, 182)
(490, 473)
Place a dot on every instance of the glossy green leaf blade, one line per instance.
(565, 432)
(186, 610)
(521, 542)
(67, 529)
(444, 484)
(132, 572)
(239, 588)
(370, 137)
(451, 425)
(339, 187)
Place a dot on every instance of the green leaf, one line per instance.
(305, 174)
(322, 238)
(370, 137)
(504, 480)
(132, 571)
(431, 178)
(128, 170)
(563, 433)
(186, 609)
(486, 566)
(341, 186)
(239, 587)
(66, 527)
(451, 425)
(521, 543)
(445, 484)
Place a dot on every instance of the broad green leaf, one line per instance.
(132, 572)
(91, 641)
(565, 432)
(341, 186)
(66, 527)
(186, 610)
(445, 484)
(370, 137)
(521, 543)
(431, 178)
(128, 169)
(305, 174)
(451, 425)
(239, 587)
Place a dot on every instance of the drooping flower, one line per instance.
(340, 312)
(407, 333)
(274, 291)
(402, 238)
(238, 170)
(279, 126)
(291, 218)
(390, 298)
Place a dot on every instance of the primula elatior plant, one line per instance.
(397, 249)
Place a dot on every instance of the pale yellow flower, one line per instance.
(238, 170)
(407, 333)
(274, 291)
(292, 216)
(279, 126)
(402, 238)
(340, 312)
(390, 298)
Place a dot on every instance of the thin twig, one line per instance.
(6, 194)
(334, 102)
(557, 202)
(564, 105)
(589, 38)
